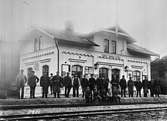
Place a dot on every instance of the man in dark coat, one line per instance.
(99, 83)
(145, 86)
(104, 87)
(44, 83)
(84, 84)
(76, 86)
(122, 84)
(99, 86)
(115, 86)
(151, 87)
(51, 83)
(68, 84)
(32, 81)
(57, 82)
(130, 87)
(92, 83)
(138, 86)
(157, 87)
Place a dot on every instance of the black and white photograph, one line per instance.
(83, 60)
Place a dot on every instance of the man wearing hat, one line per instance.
(32, 81)
(57, 81)
(68, 84)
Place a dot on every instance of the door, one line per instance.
(45, 69)
(103, 72)
(77, 70)
(116, 72)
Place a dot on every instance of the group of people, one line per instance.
(92, 89)
(153, 86)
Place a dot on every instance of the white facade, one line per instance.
(39, 50)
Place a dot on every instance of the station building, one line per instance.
(106, 52)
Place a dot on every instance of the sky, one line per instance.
(144, 20)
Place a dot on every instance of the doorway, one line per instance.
(45, 69)
(103, 72)
(116, 72)
(77, 70)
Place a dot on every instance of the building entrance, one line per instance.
(103, 72)
(116, 72)
(45, 69)
(77, 70)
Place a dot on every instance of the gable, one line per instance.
(43, 41)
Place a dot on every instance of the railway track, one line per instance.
(64, 114)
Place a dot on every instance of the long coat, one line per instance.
(44, 81)
(138, 85)
(145, 85)
(130, 85)
(92, 83)
(122, 83)
(84, 83)
(21, 80)
(67, 81)
(57, 82)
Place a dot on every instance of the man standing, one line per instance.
(68, 84)
(99, 84)
(84, 85)
(92, 83)
(122, 84)
(138, 85)
(32, 81)
(76, 86)
(44, 83)
(145, 86)
(157, 87)
(57, 81)
(115, 85)
(130, 87)
(21, 80)
(51, 83)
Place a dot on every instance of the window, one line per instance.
(136, 75)
(103, 72)
(35, 45)
(77, 70)
(88, 70)
(113, 50)
(106, 45)
(64, 69)
(45, 69)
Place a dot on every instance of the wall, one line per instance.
(45, 42)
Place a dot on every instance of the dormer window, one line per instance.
(37, 44)
(106, 45)
(113, 48)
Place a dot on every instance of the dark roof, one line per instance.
(69, 36)
(136, 48)
(121, 33)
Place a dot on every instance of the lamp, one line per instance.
(96, 65)
(126, 68)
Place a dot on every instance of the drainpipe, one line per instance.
(58, 53)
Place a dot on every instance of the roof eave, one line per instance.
(146, 53)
